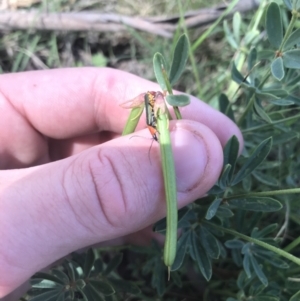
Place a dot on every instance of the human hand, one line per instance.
(71, 181)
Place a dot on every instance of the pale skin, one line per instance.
(68, 180)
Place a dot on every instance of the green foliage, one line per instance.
(237, 242)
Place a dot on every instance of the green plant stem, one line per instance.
(266, 193)
(191, 52)
(276, 250)
(289, 29)
(170, 91)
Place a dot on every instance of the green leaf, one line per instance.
(264, 232)
(90, 290)
(70, 270)
(45, 276)
(61, 275)
(223, 181)
(160, 67)
(181, 251)
(277, 68)
(102, 287)
(291, 59)
(274, 25)
(203, 261)
(215, 190)
(179, 100)
(252, 58)
(281, 102)
(225, 106)
(293, 40)
(258, 109)
(224, 212)
(246, 265)
(265, 178)
(213, 208)
(231, 153)
(113, 264)
(260, 204)
(273, 260)
(89, 262)
(209, 243)
(257, 157)
(234, 244)
(180, 57)
(258, 271)
(47, 296)
(161, 225)
(45, 284)
(265, 298)
(236, 75)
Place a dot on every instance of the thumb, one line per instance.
(103, 193)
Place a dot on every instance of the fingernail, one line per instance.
(190, 156)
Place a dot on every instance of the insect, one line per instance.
(152, 102)
(151, 118)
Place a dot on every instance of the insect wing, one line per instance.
(133, 103)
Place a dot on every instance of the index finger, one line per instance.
(65, 103)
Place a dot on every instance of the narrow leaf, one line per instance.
(234, 244)
(281, 102)
(46, 296)
(212, 209)
(231, 152)
(159, 66)
(246, 265)
(277, 68)
(45, 284)
(258, 109)
(209, 243)
(181, 251)
(257, 157)
(180, 57)
(203, 261)
(258, 271)
(265, 178)
(179, 100)
(102, 287)
(236, 75)
(46, 276)
(224, 180)
(291, 59)
(274, 25)
(260, 204)
(225, 106)
(252, 58)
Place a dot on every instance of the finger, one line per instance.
(66, 103)
(103, 193)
